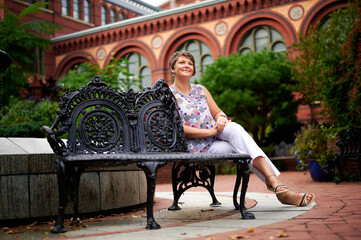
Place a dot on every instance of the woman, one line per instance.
(208, 129)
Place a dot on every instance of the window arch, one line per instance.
(76, 9)
(121, 16)
(138, 65)
(104, 15)
(202, 56)
(260, 38)
(113, 16)
(87, 11)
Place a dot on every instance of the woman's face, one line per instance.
(183, 68)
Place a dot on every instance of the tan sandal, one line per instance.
(274, 190)
(304, 202)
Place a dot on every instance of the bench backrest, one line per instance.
(100, 120)
(351, 143)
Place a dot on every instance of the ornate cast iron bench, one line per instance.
(350, 150)
(108, 128)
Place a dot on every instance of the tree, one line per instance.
(115, 74)
(327, 68)
(19, 39)
(255, 89)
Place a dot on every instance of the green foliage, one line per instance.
(327, 69)
(115, 75)
(255, 89)
(19, 39)
(315, 142)
(24, 118)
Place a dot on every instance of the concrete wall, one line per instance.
(28, 184)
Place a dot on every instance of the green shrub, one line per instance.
(24, 118)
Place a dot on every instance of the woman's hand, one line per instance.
(221, 123)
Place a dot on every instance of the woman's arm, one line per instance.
(220, 117)
(192, 132)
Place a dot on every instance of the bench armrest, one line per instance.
(56, 144)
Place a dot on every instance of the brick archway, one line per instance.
(134, 46)
(180, 37)
(259, 19)
(319, 11)
(72, 59)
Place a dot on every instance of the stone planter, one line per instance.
(28, 185)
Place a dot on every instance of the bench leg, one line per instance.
(210, 188)
(63, 197)
(242, 172)
(74, 181)
(340, 162)
(68, 186)
(150, 170)
(184, 176)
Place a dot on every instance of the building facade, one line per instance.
(208, 29)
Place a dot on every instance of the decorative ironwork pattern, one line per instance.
(160, 129)
(99, 130)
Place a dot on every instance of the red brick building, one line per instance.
(98, 30)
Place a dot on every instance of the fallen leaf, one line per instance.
(134, 217)
(282, 234)
(10, 232)
(236, 237)
(207, 210)
(183, 234)
(33, 224)
(250, 230)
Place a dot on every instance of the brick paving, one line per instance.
(337, 214)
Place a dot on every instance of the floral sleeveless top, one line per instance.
(194, 111)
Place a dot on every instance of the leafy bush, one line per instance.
(255, 89)
(24, 118)
(327, 70)
(115, 74)
(315, 142)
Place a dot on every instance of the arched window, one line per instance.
(260, 38)
(121, 16)
(104, 15)
(46, 6)
(76, 9)
(324, 22)
(113, 16)
(202, 56)
(87, 11)
(138, 66)
(65, 7)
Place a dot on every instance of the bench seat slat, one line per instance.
(166, 157)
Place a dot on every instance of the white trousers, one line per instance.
(235, 139)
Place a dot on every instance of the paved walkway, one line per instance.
(335, 215)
